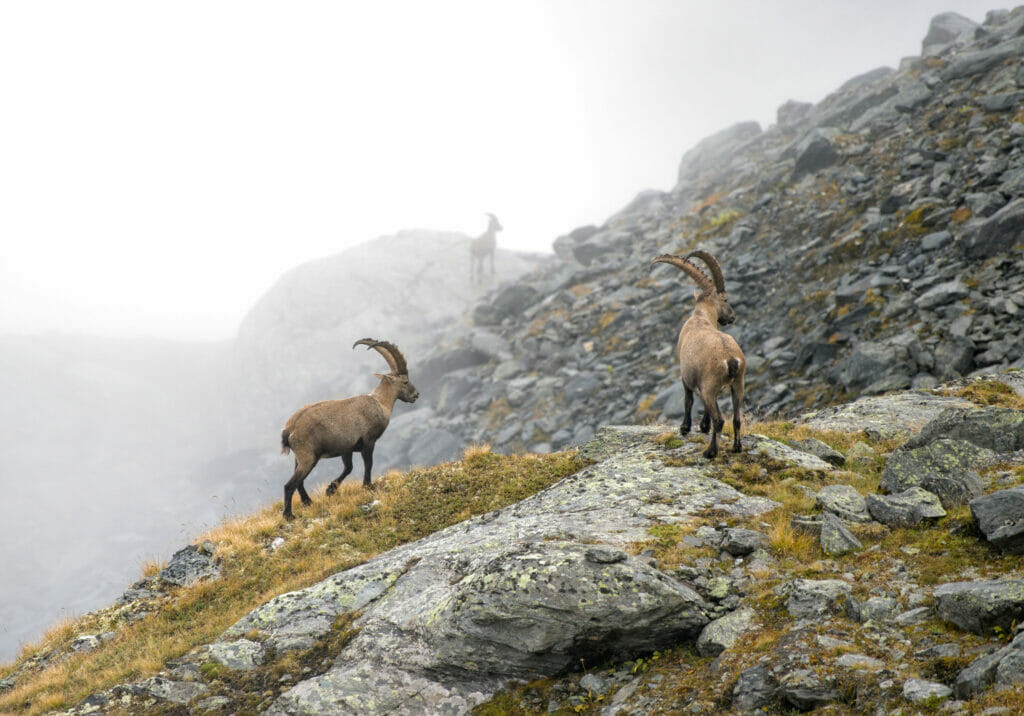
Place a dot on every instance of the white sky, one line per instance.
(161, 164)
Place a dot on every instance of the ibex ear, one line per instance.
(382, 376)
(696, 293)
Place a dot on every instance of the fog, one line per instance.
(162, 165)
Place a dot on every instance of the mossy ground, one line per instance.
(333, 534)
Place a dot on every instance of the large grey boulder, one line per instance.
(190, 565)
(835, 538)
(954, 357)
(816, 154)
(945, 28)
(821, 449)
(716, 150)
(973, 62)
(535, 608)
(905, 509)
(1004, 666)
(1001, 232)
(884, 365)
(723, 632)
(1000, 517)
(511, 299)
(944, 467)
(942, 294)
(981, 606)
(998, 429)
(518, 593)
(816, 597)
(740, 542)
(754, 688)
(804, 690)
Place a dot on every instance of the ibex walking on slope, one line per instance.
(482, 247)
(709, 359)
(337, 428)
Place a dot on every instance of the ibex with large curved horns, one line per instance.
(482, 247)
(709, 359)
(337, 428)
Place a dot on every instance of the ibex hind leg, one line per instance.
(717, 422)
(684, 427)
(302, 469)
(737, 409)
(705, 422)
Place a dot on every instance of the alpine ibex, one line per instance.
(337, 428)
(709, 359)
(482, 247)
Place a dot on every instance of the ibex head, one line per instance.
(493, 224)
(399, 375)
(711, 291)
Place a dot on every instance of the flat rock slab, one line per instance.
(519, 593)
(884, 416)
(820, 449)
(178, 692)
(778, 451)
(981, 606)
(1000, 517)
(918, 690)
(997, 429)
(242, 654)
(843, 501)
(905, 509)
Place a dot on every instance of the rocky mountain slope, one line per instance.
(870, 242)
(830, 567)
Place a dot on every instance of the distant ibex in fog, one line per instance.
(482, 247)
(709, 359)
(337, 428)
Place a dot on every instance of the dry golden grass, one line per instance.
(334, 533)
(787, 542)
(990, 392)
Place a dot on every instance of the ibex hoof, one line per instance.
(684, 429)
(710, 454)
(737, 448)
(306, 501)
(289, 516)
(332, 488)
(369, 486)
